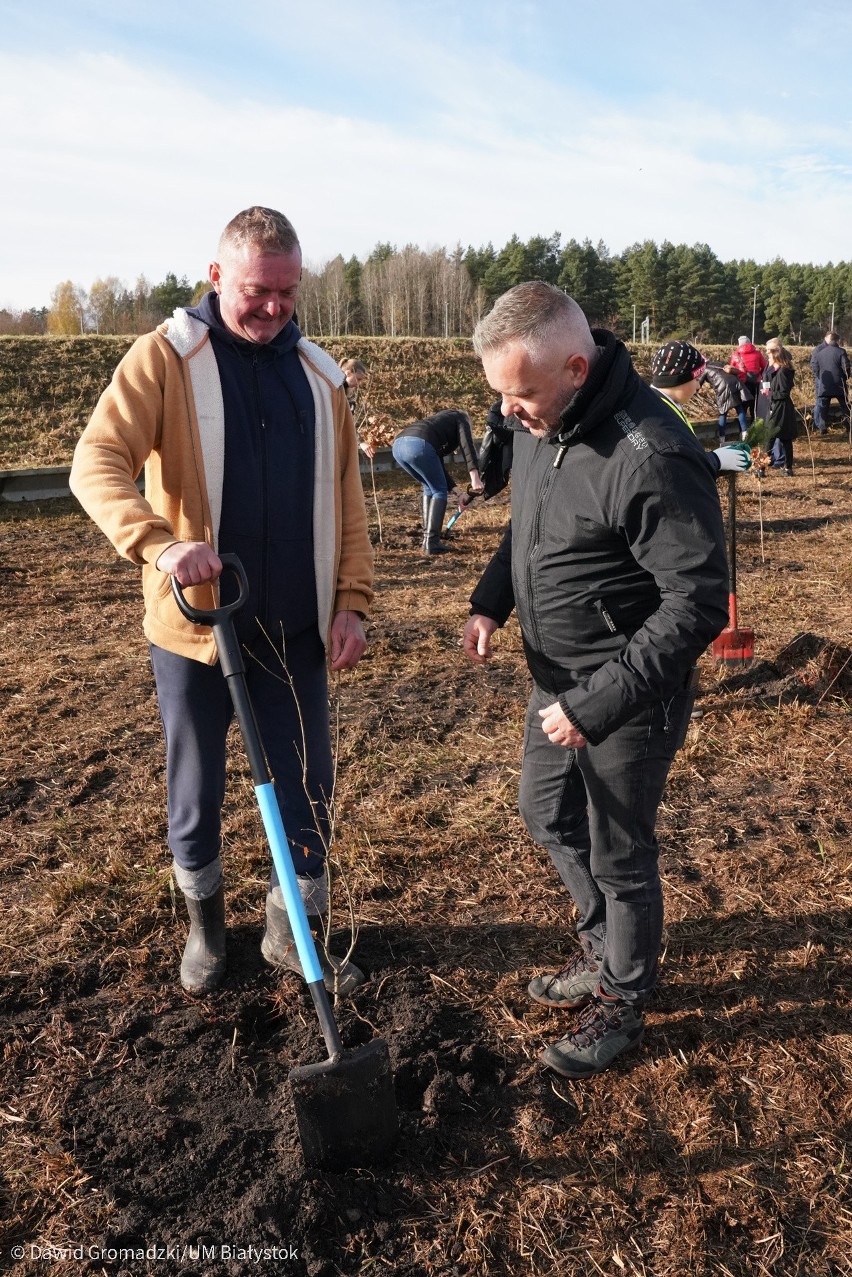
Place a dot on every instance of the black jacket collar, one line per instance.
(600, 394)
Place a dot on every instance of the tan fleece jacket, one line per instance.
(163, 411)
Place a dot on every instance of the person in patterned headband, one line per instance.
(676, 372)
(677, 364)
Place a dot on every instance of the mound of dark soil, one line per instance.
(808, 669)
(186, 1123)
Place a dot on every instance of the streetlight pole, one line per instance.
(634, 325)
(832, 317)
(753, 313)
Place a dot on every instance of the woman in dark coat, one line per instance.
(775, 404)
(731, 395)
(419, 450)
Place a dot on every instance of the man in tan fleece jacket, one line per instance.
(248, 446)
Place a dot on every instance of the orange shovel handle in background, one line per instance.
(734, 646)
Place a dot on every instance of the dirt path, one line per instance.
(134, 1117)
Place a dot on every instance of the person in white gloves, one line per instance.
(675, 372)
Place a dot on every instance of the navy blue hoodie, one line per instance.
(267, 493)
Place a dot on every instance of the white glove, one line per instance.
(734, 456)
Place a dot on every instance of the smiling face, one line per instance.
(535, 390)
(257, 291)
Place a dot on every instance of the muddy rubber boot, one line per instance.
(279, 950)
(432, 540)
(202, 967)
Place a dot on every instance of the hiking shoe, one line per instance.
(572, 987)
(605, 1029)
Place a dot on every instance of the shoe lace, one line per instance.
(593, 1022)
(574, 966)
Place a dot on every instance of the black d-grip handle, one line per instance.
(219, 618)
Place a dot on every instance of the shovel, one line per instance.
(458, 514)
(735, 645)
(345, 1105)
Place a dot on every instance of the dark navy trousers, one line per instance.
(289, 692)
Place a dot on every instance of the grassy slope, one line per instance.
(49, 385)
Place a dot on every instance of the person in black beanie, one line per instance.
(676, 372)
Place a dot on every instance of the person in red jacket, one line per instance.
(748, 363)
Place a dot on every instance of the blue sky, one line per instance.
(133, 132)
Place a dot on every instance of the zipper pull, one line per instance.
(563, 448)
(608, 621)
(257, 390)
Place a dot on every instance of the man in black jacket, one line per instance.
(615, 562)
(830, 366)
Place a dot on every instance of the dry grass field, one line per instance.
(49, 386)
(135, 1117)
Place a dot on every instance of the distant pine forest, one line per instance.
(647, 292)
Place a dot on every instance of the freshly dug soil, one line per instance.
(135, 1117)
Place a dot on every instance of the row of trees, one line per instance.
(679, 290)
(108, 307)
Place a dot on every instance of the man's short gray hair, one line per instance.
(533, 315)
(263, 229)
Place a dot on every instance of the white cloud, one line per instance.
(122, 170)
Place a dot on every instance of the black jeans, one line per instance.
(196, 709)
(595, 811)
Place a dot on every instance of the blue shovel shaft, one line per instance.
(281, 858)
(219, 619)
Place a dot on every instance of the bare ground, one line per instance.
(134, 1116)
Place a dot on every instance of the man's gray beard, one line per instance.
(550, 432)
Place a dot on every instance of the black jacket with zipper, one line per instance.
(615, 557)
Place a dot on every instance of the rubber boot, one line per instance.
(427, 501)
(279, 950)
(432, 540)
(202, 967)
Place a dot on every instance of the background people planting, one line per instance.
(830, 366)
(676, 372)
(420, 450)
(731, 396)
(356, 375)
(748, 363)
(776, 405)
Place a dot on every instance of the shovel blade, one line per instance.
(346, 1108)
(734, 647)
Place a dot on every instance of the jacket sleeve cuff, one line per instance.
(489, 612)
(153, 546)
(352, 601)
(575, 722)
